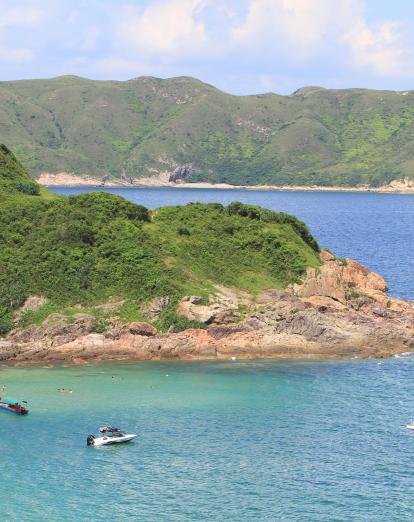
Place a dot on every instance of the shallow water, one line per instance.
(219, 441)
(228, 441)
(376, 229)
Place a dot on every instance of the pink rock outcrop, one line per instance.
(340, 310)
(341, 280)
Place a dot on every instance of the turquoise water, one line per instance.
(218, 441)
(375, 229)
(228, 441)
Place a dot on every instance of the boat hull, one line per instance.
(8, 409)
(107, 441)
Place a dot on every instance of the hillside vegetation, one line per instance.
(147, 126)
(84, 250)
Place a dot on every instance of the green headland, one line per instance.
(81, 251)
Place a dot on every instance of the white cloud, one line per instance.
(114, 65)
(381, 49)
(164, 28)
(15, 54)
(266, 81)
(90, 38)
(240, 45)
(305, 27)
(18, 16)
(14, 17)
(297, 23)
(73, 17)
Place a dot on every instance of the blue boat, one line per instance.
(13, 406)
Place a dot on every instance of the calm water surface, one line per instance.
(375, 229)
(222, 441)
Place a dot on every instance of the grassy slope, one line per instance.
(146, 125)
(84, 249)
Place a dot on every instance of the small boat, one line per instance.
(410, 426)
(109, 435)
(13, 406)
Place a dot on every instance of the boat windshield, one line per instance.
(109, 429)
(11, 401)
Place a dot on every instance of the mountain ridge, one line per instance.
(147, 126)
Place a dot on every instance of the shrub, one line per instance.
(6, 320)
(170, 319)
(101, 325)
(182, 231)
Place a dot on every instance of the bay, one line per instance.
(375, 229)
(217, 441)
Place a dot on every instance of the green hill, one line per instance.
(14, 179)
(83, 250)
(146, 126)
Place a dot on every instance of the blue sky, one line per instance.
(241, 46)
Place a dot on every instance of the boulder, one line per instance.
(356, 275)
(151, 310)
(306, 324)
(271, 296)
(325, 256)
(180, 173)
(111, 307)
(323, 303)
(381, 312)
(55, 320)
(341, 282)
(195, 299)
(201, 313)
(33, 302)
(141, 329)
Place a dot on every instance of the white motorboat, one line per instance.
(109, 435)
(410, 426)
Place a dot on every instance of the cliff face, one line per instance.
(340, 310)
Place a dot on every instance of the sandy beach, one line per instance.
(64, 179)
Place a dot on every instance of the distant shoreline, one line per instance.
(67, 180)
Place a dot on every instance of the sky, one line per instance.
(240, 46)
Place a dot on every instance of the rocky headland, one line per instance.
(95, 277)
(341, 310)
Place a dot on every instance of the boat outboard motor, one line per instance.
(90, 441)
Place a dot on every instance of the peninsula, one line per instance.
(95, 277)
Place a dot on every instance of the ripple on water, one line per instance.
(260, 440)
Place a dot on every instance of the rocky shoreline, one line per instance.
(341, 310)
